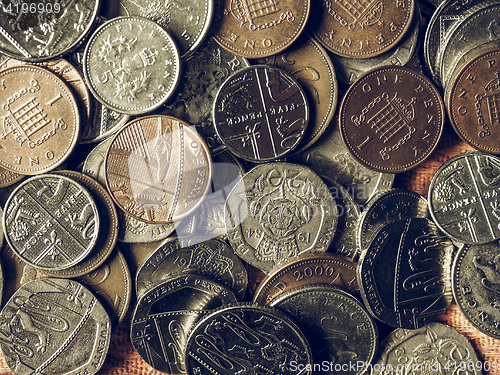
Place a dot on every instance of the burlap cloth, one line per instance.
(122, 359)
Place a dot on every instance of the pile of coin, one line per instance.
(192, 173)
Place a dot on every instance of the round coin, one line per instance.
(463, 198)
(158, 169)
(71, 336)
(391, 119)
(51, 222)
(307, 269)
(235, 333)
(131, 65)
(404, 276)
(41, 120)
(8, 178)
(337, 326)
(278, 211)
(261, 113)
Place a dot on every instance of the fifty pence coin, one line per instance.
(51, 222)
(404, 276)
(261, 113)
(391, 119)
(41, 120)
(71, 336)
(225, 340)
(131, 65)
(158, 169)
(278, 211)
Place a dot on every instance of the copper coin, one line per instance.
(158, 169)
(40, 123)
(306, 269)
(8, 178)
(472, 100)
(391, 119)
(261, 28)
(261, 113)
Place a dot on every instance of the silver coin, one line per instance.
(54, 326)
(131, 65)
(278, 211)
(51, 222)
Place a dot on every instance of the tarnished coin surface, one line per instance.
(273, 335)
(337, 326)
(40, 122)
(463, 198)
(360, 29)
(404, 276)
(391, 119)
(158, 169)
(165, 315)
(213, 259)
(54, 326)
(278, 211)
(434, 348)
(259, 29)
(37, 31)
(476, 286)
(261, 113)
(51, 222)
(307, 269)
(131, 65)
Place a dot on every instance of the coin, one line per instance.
(261, 113)
(308, 269)
(463, 198)
(432, 348)
(404, 276)
(259, 29)
(213, 259)
(360, 29)
(337, 326)
(51, 222)
(278, 211)
(41, 120)
(391, 119)
(8, 178)
(470, 99)
(249, 329)
(44, 30)
(130, 230)
(165, 315)
(158, 169)
(131, 65)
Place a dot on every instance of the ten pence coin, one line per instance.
(158, 169)
(41, 121)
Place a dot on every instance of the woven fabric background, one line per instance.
(122, 359)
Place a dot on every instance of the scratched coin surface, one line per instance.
(463, 198)
(215, 344)
(435, 347)
(41, 121)
(71, 336)
(337, 326)
(212, 258)
(391, 119)
(278, 211)
(37, 31)
(256, 29)
(51, 222)
(158, 169)
(360, 29)
(261, 113)
(404, 276)
(307, 269)
(165, 315)
(131, 65)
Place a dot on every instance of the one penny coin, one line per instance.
(158, 169)
(391, 119)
